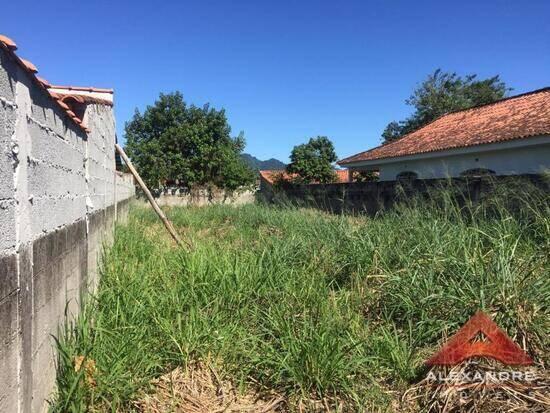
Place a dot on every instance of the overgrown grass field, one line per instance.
(311, 306)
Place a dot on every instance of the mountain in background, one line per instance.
(258, 165)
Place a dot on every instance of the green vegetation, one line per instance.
(444, 92)
(312, 161)
(257, 165)
(175, 141)
(307, 304)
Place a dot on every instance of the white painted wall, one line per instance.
(522, 156)
(530, 160)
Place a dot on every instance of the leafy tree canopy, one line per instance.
(312, 161)
(365, 176)
(174, 141)
(444, 92)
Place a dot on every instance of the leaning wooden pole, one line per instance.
(152, 201)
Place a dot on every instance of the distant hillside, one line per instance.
(259, 165)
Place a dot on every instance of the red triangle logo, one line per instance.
(497, 345)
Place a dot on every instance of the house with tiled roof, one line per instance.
(507, 137)
(269, 177)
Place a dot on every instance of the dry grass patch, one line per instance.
(489, 395)
(199, 389)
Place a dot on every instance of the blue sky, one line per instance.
(284, 71)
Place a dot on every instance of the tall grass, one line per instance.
(310, 305)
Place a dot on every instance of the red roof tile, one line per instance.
(511, 118)
(343, 175)
(29, 65)
(10, 46)
(83, 99)
(76, 98)
(272, 175)
(44, 82)
(63, 105)
(54, 95)
(9, 43)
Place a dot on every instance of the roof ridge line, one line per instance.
(531, 92)
(83, 88)
(31, 70)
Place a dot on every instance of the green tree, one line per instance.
(365, 176)
(174, 141)
(312, 161)
(444, 92)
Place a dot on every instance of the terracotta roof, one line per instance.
(343, 175)
(272, 175)
(44, 82)
(82, 99)
(9, 43)
(83, 89)
(511, 118)
(28, 65)
(59, 98)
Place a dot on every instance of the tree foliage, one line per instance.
(365, 176)
(175, 141)
(312, 161)
(444, 92)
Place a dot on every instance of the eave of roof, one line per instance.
(384, 151)
(83, 99)
(10, 47)
(83, 89)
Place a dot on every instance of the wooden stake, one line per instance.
(152, 201)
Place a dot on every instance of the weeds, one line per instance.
(318, 308)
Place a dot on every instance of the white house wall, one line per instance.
(514, 161)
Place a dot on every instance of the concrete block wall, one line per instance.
(60, 198)
(200, 197)
(101, 156)
(372, 197)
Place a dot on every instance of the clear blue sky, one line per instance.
(284, 71)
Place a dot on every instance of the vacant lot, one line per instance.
(305, 309)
